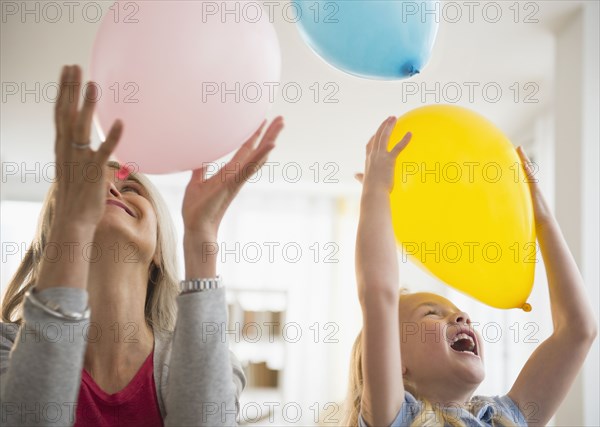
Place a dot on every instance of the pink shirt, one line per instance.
(135, 405)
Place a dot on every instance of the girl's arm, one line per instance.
(550, 371)
(377, 281)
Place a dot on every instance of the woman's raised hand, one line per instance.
(206, 200)
(81, 184)
(81, 188)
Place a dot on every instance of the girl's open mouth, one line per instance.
(464, 342)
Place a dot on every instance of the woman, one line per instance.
(143, 354)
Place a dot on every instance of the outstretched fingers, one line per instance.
(401, 145)
(384, 132)
(258, 158)
(249, 158)
(244, 151)
(59, 106)
(370, 145)
(541, 209)
(527, 165)
(108, 146)
(268, 140)
(62, 111)
(83, 124)
(73, 88)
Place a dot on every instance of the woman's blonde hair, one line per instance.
(160, 306)
(429, 415)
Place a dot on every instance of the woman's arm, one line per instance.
(377, 281)
(40, 373)
(550, 371)
(202, 390)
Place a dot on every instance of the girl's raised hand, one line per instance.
(380, 163)
(81, 187)
(541, 211)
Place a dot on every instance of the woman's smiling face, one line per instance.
(130, 213)
(438, 344)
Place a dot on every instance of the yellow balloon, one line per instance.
(461, 205)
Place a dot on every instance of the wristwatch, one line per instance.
(199, 285)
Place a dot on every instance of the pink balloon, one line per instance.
(189, 82)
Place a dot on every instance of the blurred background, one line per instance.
(287, 243)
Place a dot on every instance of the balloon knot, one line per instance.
(526, 307)
(409, 70)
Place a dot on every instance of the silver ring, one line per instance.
(80, 146)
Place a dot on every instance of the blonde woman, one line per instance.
(97, 329)
(417, 360)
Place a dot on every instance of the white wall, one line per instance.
(590, 187)
(576, 176)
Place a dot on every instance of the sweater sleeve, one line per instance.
(204, 379)
(41, 362)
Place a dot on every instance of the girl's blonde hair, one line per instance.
(160, 306)
(429, 415)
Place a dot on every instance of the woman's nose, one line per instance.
(112, 189)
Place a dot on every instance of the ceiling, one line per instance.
(500, 54)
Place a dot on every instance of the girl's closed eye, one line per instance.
(432, 311)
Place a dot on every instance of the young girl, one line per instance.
(417, 361)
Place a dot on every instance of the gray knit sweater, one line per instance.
(198, 381)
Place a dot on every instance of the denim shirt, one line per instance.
(484, 410)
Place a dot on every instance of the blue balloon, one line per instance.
(377, 39)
